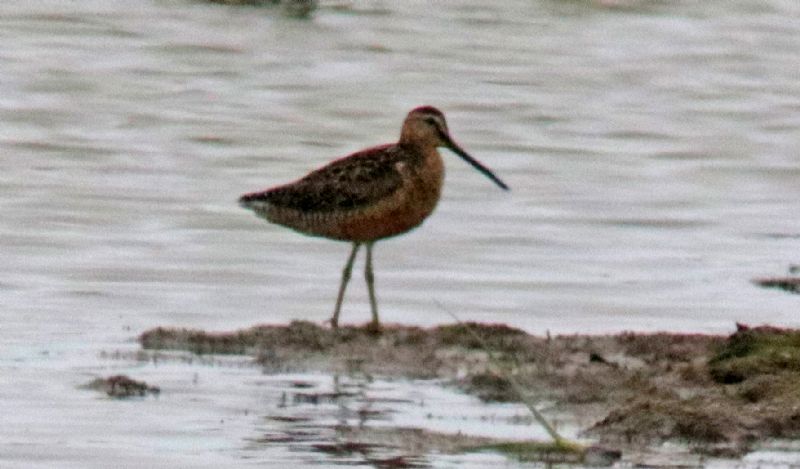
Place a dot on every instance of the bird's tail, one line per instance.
(255, 201)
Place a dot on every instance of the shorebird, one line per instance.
(370, 195)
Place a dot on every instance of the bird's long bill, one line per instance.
(475, 163)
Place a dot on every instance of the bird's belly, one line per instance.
(404, 210)
(395, 215)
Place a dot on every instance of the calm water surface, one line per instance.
(651, 148)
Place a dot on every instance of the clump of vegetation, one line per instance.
(121, 386)
(664, 347)
(293, 8)
(754, 352)
(753, 393)
(471, 335)
(490, 386)
(298, 334)
(789, 284)
(555, 453)
(644, 420)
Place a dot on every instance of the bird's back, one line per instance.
(361, 197)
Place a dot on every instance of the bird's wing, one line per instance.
(349, 183)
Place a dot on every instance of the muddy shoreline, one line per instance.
(720, 395)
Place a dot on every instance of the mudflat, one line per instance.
(720, 395)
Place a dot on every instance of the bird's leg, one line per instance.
(348, 268)
(370, 277)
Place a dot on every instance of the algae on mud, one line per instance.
(753, 352)
(720, 395)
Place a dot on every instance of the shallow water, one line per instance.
(651, 148)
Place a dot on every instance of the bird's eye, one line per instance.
(431, 121)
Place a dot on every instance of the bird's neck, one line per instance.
(417, 149)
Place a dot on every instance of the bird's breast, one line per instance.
(404, 209)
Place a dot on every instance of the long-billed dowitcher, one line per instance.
(370, 195)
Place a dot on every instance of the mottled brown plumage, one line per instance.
(369, 195)
(344, 199)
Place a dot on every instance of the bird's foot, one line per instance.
(374, 328)
(333, 322)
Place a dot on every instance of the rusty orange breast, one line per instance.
(403, 210)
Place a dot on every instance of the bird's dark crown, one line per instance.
(430, 110)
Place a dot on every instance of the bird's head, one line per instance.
(426, 126)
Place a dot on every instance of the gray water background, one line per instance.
(651, 148)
